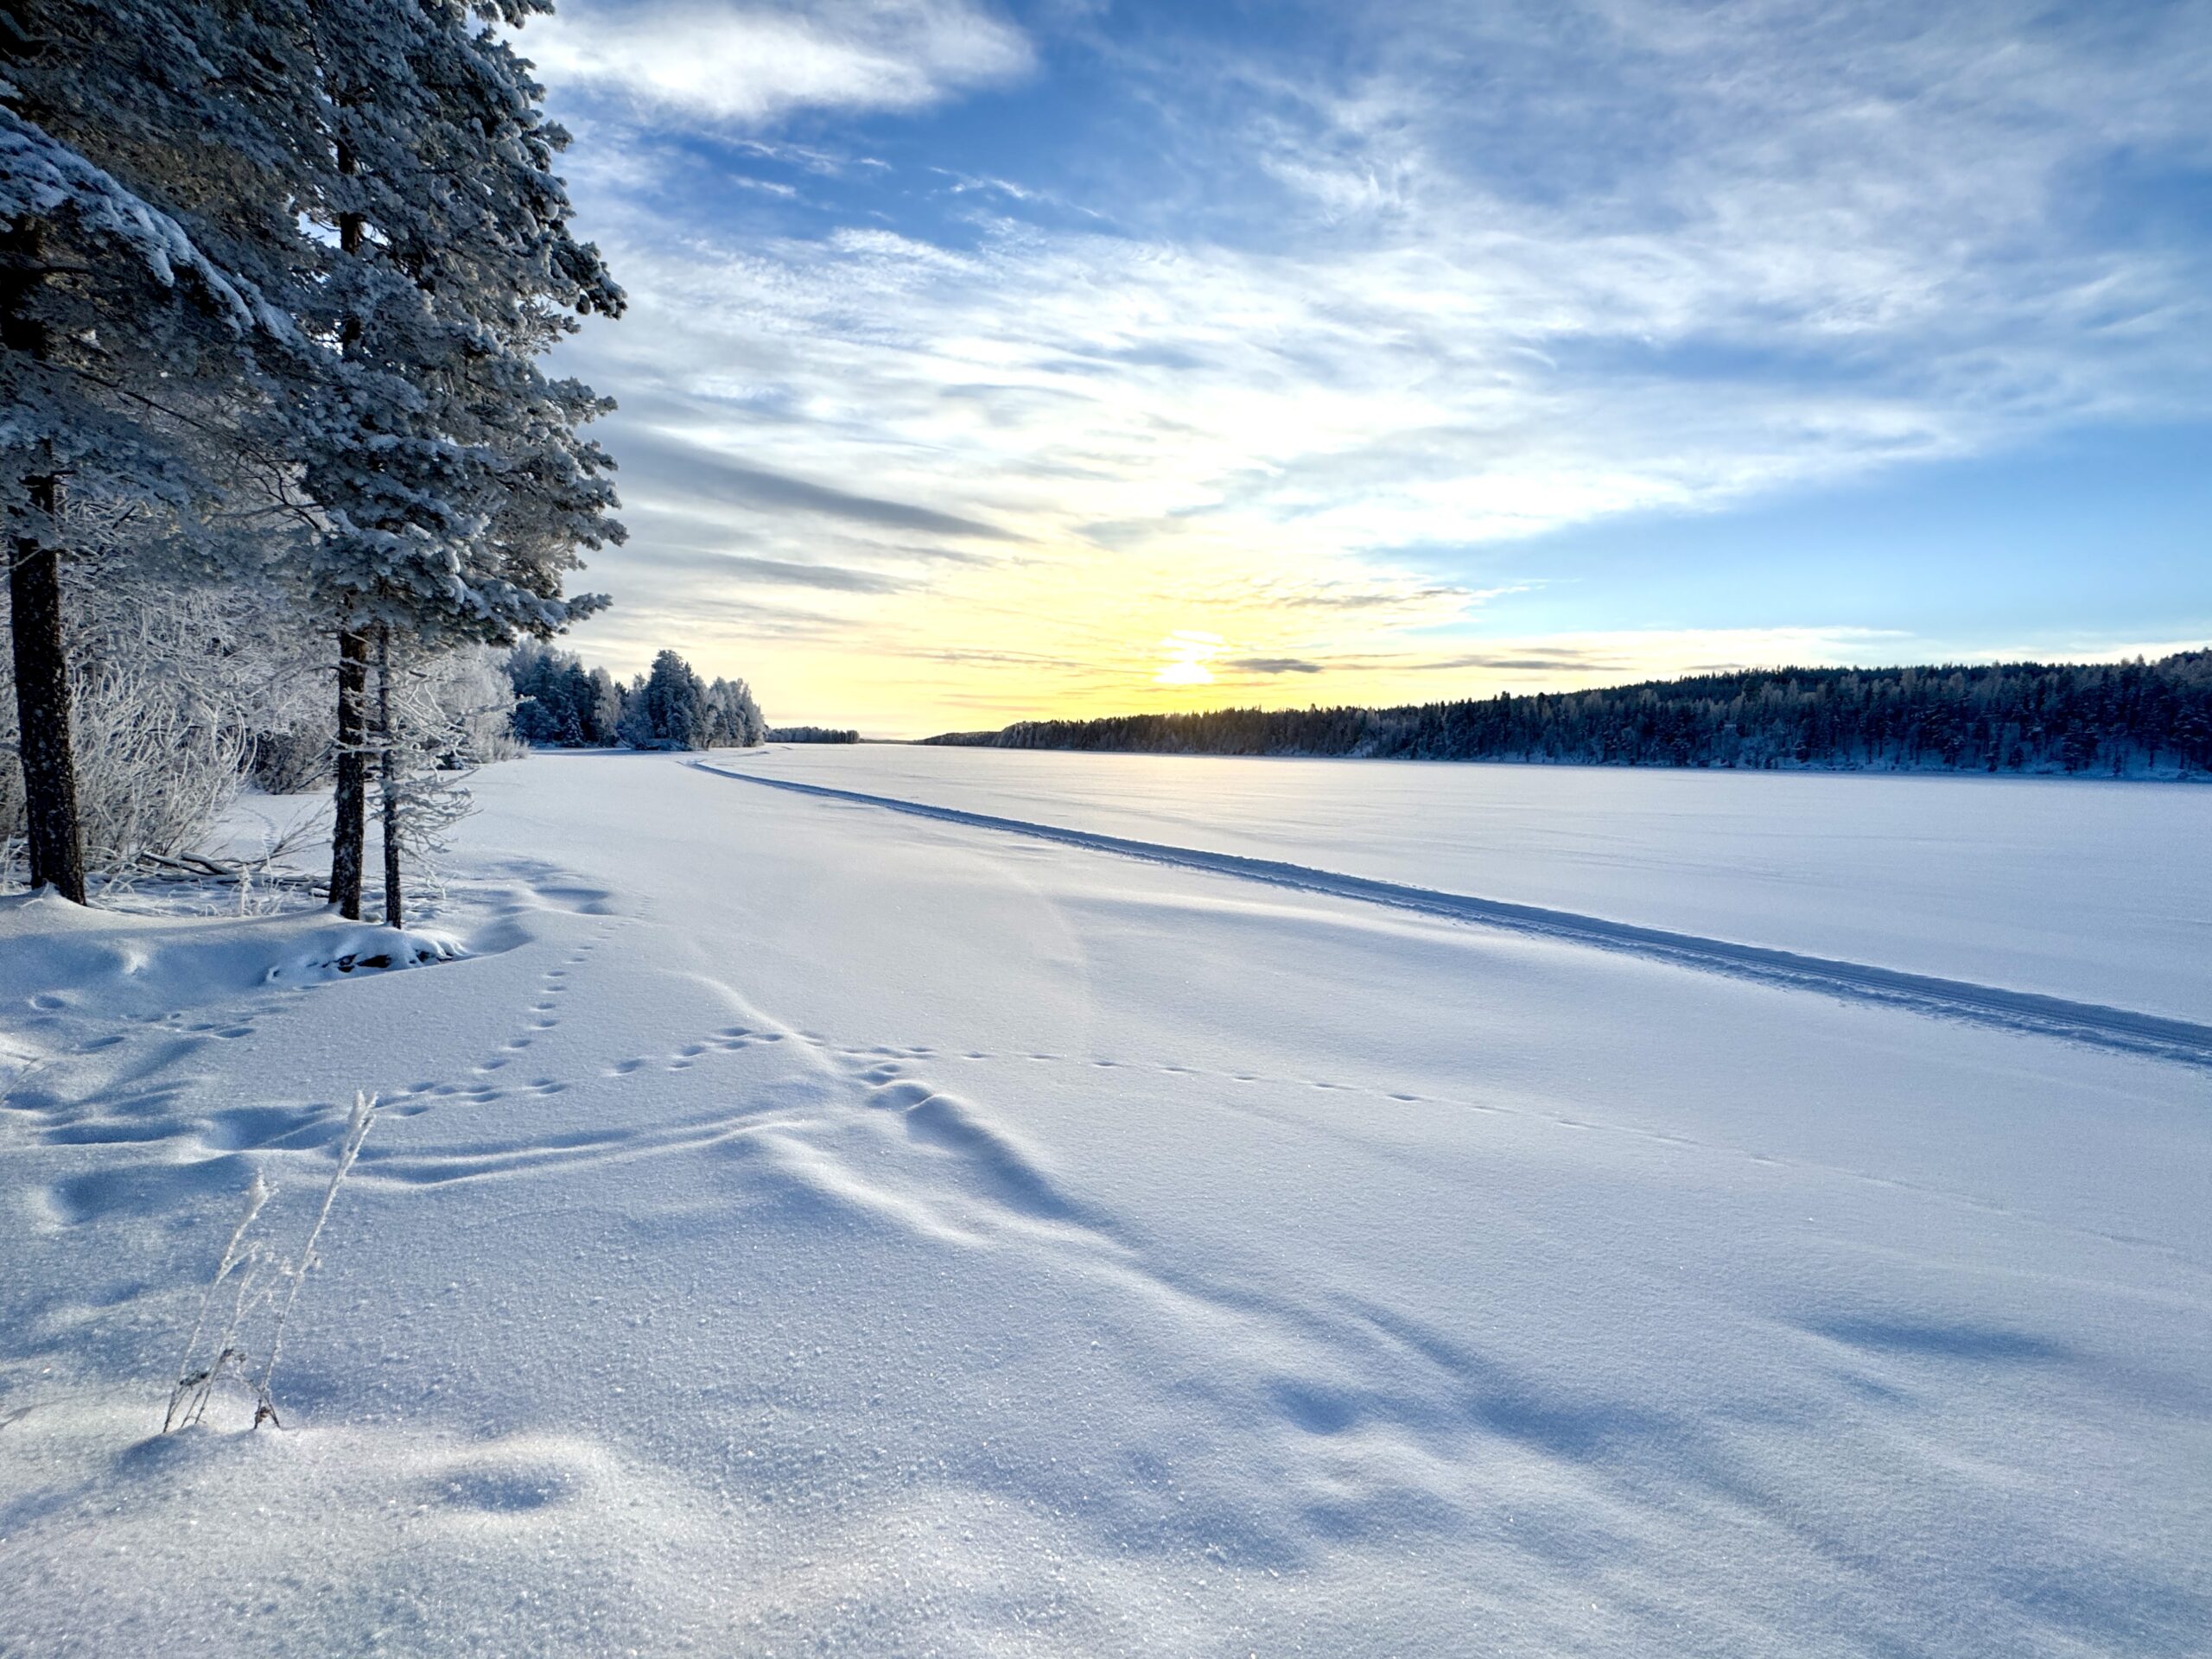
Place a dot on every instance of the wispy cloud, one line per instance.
(750, 63)
(738, 568)
(672, 472)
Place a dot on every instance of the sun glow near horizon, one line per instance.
(1187, 651)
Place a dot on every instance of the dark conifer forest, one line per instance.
(2134, 719)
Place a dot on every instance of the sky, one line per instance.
(989, 360)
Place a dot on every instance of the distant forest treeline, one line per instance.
(2117, 719)
(809, 734)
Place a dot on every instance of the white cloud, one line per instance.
(752, 63)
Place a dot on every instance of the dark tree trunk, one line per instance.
(349, 799)
(387, 780)
(44, 748)
(47, 757)
(349, 830)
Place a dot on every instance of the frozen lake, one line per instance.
(2098, 892)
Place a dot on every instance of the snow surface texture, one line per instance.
(803, 1226)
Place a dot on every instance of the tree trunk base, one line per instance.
(44, 747)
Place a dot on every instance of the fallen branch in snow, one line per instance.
(244, 871)
(172, 886)
(194, 864)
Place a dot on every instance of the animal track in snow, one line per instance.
(886, 1071)
(546, 1154)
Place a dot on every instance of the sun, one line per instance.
(1187, 651)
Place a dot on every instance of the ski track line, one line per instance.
(2152, 1036)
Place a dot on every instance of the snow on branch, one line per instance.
(43, 178)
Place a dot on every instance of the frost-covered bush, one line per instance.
(182, 692)
(462, 696)
(290, 762)
(172, 685)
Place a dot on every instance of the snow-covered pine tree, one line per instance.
(635, 727)
(557, 701)
(669, 709)
(545, 682)
(455, 485)
(144, 246)
(295, 258)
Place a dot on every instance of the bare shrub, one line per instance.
(262, 1289)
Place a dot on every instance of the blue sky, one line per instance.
(995, 359)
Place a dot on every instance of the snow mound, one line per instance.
(56, 956)
(358, 949)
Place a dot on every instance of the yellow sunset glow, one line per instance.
(1082, 630)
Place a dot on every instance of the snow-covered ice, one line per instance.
(799, 1226)
(2094, 891)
